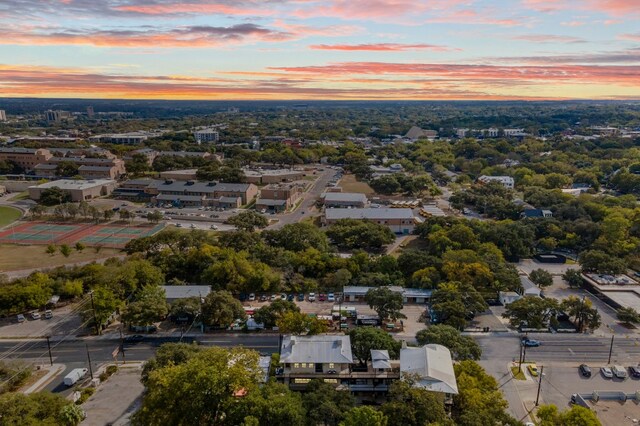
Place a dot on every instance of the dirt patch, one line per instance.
(349, 183)
(16, 257)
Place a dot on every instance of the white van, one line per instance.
(75, 375)
(619, 372)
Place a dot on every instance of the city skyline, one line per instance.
(333, 49)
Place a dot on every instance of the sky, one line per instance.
(321, 49)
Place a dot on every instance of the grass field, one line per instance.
(348, 183)
(8, 215)
(15, 257)
(518, 375)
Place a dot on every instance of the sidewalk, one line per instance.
(54, 370)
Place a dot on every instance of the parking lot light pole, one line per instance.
(611, 348)
(539, 384)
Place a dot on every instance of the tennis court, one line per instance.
(112, 235)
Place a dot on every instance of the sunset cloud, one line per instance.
(381, 47)
(548, 38)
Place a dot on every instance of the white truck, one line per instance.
(75, 375)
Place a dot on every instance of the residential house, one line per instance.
(432, 366)
(506, 181)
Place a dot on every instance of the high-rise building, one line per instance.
(206, 136)
(3, 115)
(55, 116)
(90, 112)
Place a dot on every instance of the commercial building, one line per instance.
(506, 181)
(206, 135)
(344, 199)
(80, 190)
(133, 138)
(409, 295)
(400, 221)
(432, 366)
(195, 193)
(272, 176)
(26, 158)
(135, 189)
(279, 197)
(56, 116)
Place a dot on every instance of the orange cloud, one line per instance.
(380, 47)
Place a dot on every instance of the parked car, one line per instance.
(322, 297)
(312, 297)
(48, 314)
(252, 297)
(291, 297)
(283, 296)
(585, 370)
(263, 298)
(301, 297)
(619, 371)
(531, 343)
(273, 297)
(331, 297)
(214, 227)
(533, 370)
(21, 318)
(192, 226)
(35, 316)
(634, 371)
(606, 372)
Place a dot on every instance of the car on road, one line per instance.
(533, 370)
(252, 297)
(312, 297)
(301, 297)
(585, 370)
(35, 316)
(634, 371)
(178, 225)
(606, 372)
(619, 371)
(214, 227)
(331, 297)
(134, 338)
(531, 343)
(21, 318)
(192, 226)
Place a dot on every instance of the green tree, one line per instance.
(271, 313)
(150, 306)
(248, 220)
(138, 165)
(170, 354)
(385, 302)
(583, 313)
(602, 263)
(42, 408)
(359, 234)
(105, 303)
(189, 307)
(271, 404)
(108, 214)
(154, 216)
(455, 302)
(364, 339)
(206, 383)
(628, 316)
(573, 277)
(413, 406)
(531, 312)
(461, 347)
(80, 246)
(479, 400)
(298, 323)
(51, 249)
(65, 250)
(220, 309)
(54, 196)
(364, 416)
(297, 237)
(549, 415)
(541, 278)
(326, 405)
(67, 169)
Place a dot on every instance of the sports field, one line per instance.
(8, 215)
(112, 235)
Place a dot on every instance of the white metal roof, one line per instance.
(316, 349)
(344, 197)
(433, 366)
(75, 184)
(369, 213)
(185, 291)
(380, 359)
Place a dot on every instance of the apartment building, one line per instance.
(26, 158)
(279, 197)
(400, 221)
(506, 181)
(195, 193)
(206, 135)
(56, 116)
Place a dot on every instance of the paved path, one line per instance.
(54, 370)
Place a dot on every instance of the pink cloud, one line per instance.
(548, 38)
(380, 47)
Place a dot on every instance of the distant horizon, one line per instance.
(302, 50)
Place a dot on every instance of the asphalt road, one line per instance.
(73, 353)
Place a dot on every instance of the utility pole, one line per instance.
(89, 358)
(611, 348)
(124, 361)
(49, 346)
(520, 358)
(539, 384)
(95, 318)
